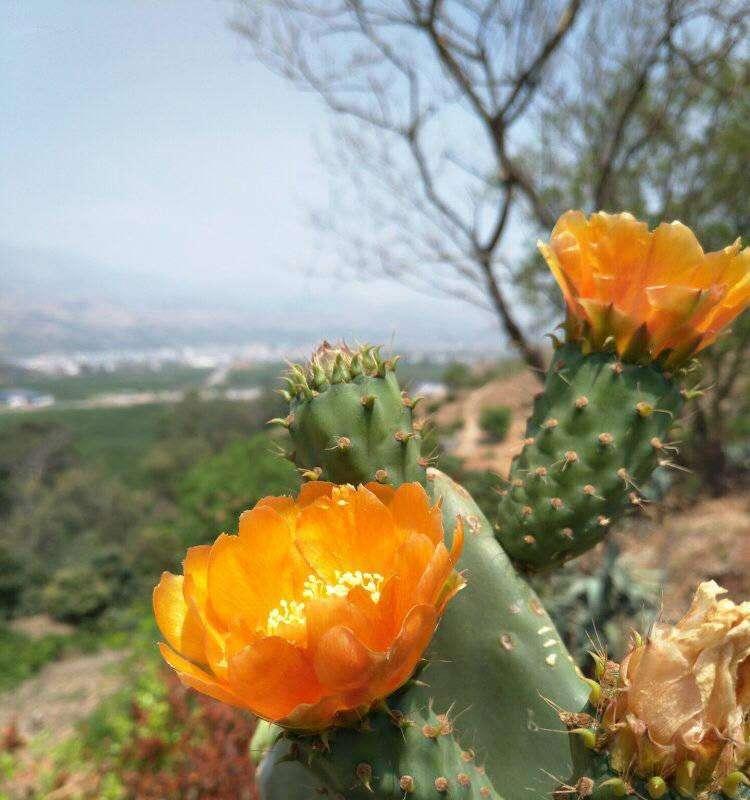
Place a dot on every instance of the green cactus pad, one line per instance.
(349, 420)
(494, 661)
(408, 751)
(597, 433)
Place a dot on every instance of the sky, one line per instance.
(142, 136)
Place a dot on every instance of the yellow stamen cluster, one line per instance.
(292, 612)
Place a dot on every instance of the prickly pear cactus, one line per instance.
(597, 432)
(349, 420)
(495, 662)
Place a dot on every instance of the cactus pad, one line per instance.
(349, 420)
(596, 435)
(407, 751)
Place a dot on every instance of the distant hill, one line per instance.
(53, 301)
(59, 302)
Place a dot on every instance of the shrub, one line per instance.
(495, 421)
(77, 593)
(217, 490)
(458, 376)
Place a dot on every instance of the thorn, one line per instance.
(550, 423)
(410, 402)
(581, 402)
(616, 368)
(441, 784)
(285, 422)
(406, 783)
(381, 475)
(606, 439)
(403, 436)
(367, 400)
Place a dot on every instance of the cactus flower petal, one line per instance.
(618, 276)
(684, 693)
(317, 609)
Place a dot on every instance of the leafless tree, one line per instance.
(464, 126)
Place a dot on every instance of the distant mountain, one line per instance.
(53, 301)
(58, 302)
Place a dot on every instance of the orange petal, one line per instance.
(273, 677)
(177, 620)
(199, 679)
(412, 512)
(352, 532)
(232, 589)
(342, 662)
(383, 491)
(406, 651)
(433, 578)
(413, 558)
(313, 490)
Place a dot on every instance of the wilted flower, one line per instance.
(317, 609)
(650, 293)
(685, 694)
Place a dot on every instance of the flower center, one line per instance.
(292, 612)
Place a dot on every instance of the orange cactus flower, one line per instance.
(652, 294)
(317, 609)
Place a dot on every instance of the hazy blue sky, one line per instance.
(140, 134)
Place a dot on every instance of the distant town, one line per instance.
(112, 378)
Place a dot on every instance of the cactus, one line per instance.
(349, 421)
(405, 750)
(482, 716)
(495, 649)
(597, 432)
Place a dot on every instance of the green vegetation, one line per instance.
(495, 422)
(88, 529)
(113, 439)
(215, 492)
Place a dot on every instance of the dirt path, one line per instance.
(517, 393)
(62, 694)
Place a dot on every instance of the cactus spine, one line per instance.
(597, 432)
